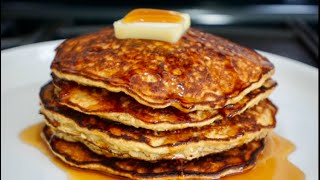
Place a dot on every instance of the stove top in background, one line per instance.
(287, 29)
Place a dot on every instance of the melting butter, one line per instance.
(152, 24)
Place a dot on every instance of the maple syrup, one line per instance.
(273, 162)
(31, 136)
(152, 15)
(271, 165)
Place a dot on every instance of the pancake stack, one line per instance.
(147, 109)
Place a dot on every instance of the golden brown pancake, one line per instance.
(189, 143)
(214, 166)
(124, 109)
(199, 72)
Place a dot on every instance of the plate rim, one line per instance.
(305, 67)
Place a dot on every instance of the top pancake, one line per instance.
(199, 72)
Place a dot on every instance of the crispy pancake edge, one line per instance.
(197, 106)
(188, 170)
(133, 120)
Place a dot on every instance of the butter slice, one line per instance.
(163, 31)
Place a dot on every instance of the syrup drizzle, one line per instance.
(271, 165)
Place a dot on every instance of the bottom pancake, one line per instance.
(212, 166)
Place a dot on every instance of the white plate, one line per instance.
(25, 69)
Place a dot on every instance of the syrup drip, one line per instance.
(271, 165)
(152, 15)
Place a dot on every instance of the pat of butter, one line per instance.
(152, 24)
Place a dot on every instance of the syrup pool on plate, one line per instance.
(272, 164)
(31, 136)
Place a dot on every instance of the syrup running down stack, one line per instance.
(151, 109)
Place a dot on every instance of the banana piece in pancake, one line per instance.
(145, 144)
(215, 166)
(199, 72)
(124, 109)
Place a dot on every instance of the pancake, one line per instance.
(145, 144)
(214, 166)
(124, 109)
(199, 72)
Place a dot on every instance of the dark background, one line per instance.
(288, 27)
